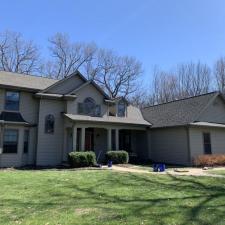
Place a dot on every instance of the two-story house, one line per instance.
(42, 120)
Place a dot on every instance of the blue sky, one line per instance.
(157, 32)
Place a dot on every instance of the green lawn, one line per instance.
(108, 197)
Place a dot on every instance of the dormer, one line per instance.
(117, 107)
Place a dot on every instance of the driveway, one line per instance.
(172, 171)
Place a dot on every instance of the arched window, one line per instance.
(121, 108)
(49, 124)
(89, 106)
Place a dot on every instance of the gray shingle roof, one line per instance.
(177, 113)
(25, 81)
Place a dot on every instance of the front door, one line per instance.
(89, 139)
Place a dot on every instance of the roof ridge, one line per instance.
(182, 99)
(31, 75)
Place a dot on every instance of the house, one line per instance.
(42, 120)
(186, 128)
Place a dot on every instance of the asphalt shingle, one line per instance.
(177, 113)
(25, 81)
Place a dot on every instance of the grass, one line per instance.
(109, 198)
(135, 166)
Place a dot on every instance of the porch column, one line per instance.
(74, 138)
(117, 138)
(82, 138)
(109, 139)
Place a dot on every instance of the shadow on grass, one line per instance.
(157, 199)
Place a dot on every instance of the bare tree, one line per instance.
(67, 57)
(119, 76)
(164, 87)
(18, 55)
(219, 72)
(194, 79)
(188, 80)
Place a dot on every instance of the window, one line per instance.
(12, 100)
(10, 141)
(49, 124)
(89, 107)
(26, 141)
(121, 108)
(207, 143)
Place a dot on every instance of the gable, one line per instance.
(87, 91)
(215, 112)
(65, 86)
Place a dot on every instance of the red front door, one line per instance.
(89, 139)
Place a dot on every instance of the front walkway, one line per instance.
(170, 171)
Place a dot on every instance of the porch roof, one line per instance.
(108, 119)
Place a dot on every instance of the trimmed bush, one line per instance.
(117, 157)
(82, 159)
(210, 160)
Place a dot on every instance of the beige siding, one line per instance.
(87, 91)
(215, 112)
(50, 146)
(217, 140)
(29, 107)
(67, 85)
(170, 145)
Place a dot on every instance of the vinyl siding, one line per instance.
(82, 94)
(50, 146)
(28, 108)
(217, 140)
(170, 145)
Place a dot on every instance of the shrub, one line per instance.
(117, 157)
(82, 159)
(210, 160)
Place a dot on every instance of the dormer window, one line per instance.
(12, 100)
(121, 108)
(89, 107)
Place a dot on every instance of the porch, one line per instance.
(102, 138)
